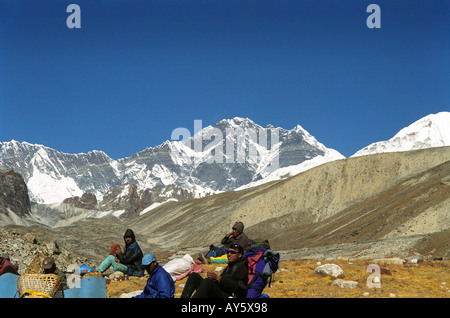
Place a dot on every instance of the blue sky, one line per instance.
(136, 70)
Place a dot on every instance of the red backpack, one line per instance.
(7, 267)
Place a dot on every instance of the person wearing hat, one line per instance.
(49, 267)
(160, 284)
(237, 236)
(132, 257)
(231, 282)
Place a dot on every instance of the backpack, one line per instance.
(7, 267)
(216, 251)
(261, 242)
(262, 264)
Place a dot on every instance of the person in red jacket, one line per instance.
(6, 266)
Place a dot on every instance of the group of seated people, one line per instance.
(131, 261)
(231, 281)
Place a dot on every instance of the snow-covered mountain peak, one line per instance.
(237, 123)
(310, 139)
(430, 131)
(204, 163)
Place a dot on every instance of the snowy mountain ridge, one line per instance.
(430, 131)
(53, 176)
(206, 163)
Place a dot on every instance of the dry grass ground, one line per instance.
(296, 279)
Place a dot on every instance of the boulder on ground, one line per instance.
(329, 270)
(349, 284)
(388, 261)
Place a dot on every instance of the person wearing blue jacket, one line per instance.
(160, 284)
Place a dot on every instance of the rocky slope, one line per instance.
(23, 245)
(15, 204)
(124, 202)
(289, 211)
(391, 204)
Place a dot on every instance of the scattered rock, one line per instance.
(388, 261)
(349, 284)
(413, 260)
(117, 274)
(376, 280)
(87, 201)
(329, 270)
(26, 251)
(131, 294)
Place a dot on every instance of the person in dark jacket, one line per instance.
(231, 282)
(237, 236)
(132, 257)
(160, 284)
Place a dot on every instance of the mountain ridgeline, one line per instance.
(376, 203)
(403, 197)
(161, 173)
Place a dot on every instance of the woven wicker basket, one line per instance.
(39, 286)
(35, 266)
